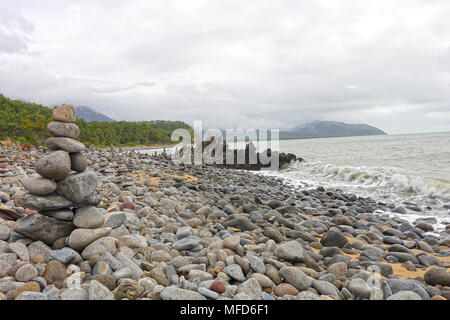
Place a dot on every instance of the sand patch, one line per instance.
(186, 177)
(401, 272)
(147, 177)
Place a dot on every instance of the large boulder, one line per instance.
(78, 187)
(54, 166)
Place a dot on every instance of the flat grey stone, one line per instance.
(55, 166)
(78, 187)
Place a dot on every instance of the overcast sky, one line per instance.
(234, 63)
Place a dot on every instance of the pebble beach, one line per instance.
(112, 224)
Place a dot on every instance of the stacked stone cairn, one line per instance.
(64, 195)
(3, 162)
(63, 199)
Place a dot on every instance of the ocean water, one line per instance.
(398, 169)
(393, 169)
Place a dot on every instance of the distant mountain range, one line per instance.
(315, 129)
(89, 114)
(328, 129)
(322, 129)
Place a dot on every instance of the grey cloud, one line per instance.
(10, 44)
(235, 64)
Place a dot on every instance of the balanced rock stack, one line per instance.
(4, 162)
(62, 198)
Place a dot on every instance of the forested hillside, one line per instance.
(27, 123)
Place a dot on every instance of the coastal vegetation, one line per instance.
(26, 122)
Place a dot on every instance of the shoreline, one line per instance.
(187, 227)
(143, 148)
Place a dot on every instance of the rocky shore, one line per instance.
(105, 224)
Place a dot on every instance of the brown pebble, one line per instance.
(38, 259)
(29, 286)
(127, 205)
(55, 273)
(446, 294)
(218, 286)
(284, 289)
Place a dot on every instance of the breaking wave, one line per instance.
(371, 177)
